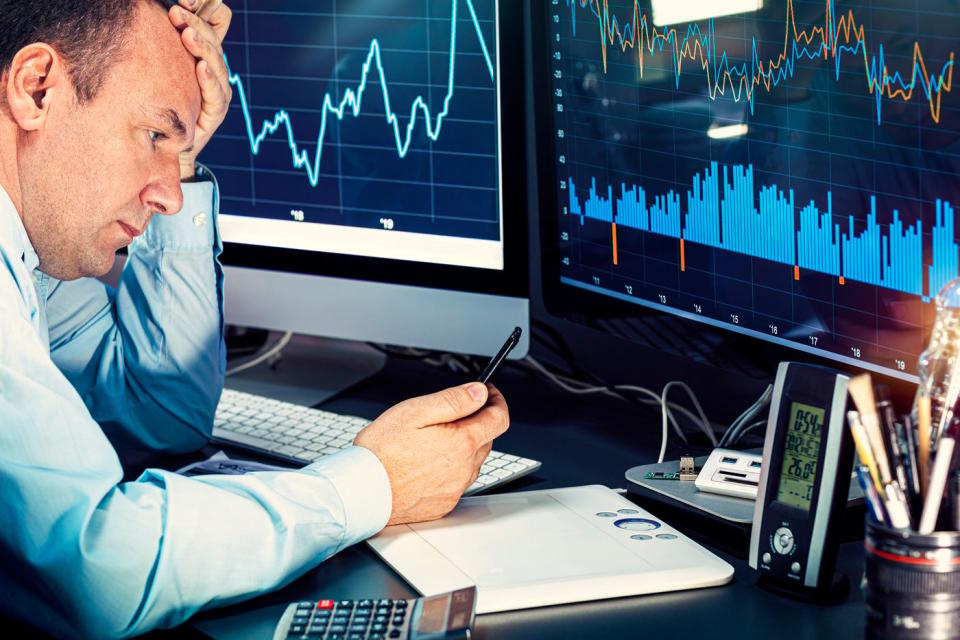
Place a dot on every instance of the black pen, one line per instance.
(911, 441)
(501, 355)
(890, 441)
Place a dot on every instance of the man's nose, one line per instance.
(163, 193)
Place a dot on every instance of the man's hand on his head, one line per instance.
(203, 38)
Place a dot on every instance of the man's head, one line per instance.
(97, 100)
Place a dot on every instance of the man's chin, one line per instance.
(101, 265)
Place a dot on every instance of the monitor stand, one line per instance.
(311, 370)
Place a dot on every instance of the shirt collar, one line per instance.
(14, 235)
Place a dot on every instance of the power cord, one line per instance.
(272, 352)
(743, 424)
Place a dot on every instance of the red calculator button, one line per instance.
(325, 604)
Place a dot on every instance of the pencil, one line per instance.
(861, 390)
(863, 449)
(923, 441)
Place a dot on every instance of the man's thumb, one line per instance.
(448, 405)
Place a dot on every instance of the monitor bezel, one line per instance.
(511, 281)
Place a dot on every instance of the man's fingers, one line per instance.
(213, 13)
(183, 19)
(481, 455)
(219, 20)
(214, 97)
(491, 421)
(206, 8)
(442, 407)
(203, 49)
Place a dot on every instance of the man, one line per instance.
(104, 107)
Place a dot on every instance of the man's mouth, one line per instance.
(133, 232)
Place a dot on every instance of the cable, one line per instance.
(733, 432)
(654, 398)
(266, 355)
(555, 344)
(746, 430)
(705, 423)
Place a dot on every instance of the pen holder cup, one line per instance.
(912, 584)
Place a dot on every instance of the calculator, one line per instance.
(444, 617)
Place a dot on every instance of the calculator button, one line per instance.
(325, 604)
(346, 604)
(378, 627)
(337, 628)
(401, 604)
(297, 629)
(395, 633)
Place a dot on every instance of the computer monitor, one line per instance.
(371, 171)
(784, 169)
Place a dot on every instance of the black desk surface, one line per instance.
(580, 441)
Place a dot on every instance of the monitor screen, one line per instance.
(785, 169)
(365, 128)
(372, 171)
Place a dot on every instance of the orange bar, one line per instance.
(615, 256)
(841, 281)
(683, 257)
(796, 272)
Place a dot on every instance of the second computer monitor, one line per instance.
(371, 171)
(784, 169)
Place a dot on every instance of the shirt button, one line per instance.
(200, 219)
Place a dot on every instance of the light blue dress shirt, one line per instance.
(81, 365)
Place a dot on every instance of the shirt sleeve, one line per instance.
(84, 555)
(148, 359)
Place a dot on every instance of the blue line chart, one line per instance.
(351, 104)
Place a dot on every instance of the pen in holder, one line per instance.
(912, 583)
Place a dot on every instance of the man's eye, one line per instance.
(156, 136)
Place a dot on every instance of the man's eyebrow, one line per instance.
(172, 118)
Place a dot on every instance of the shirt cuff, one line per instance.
(364, 489)
(194, 228)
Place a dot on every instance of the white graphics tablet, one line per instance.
(538, 548)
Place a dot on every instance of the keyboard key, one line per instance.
(287, 450)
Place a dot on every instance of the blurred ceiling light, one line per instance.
(678, 11)
(728, 131)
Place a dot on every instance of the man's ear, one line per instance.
(36, 75)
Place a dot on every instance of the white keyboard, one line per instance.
(302, 435)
